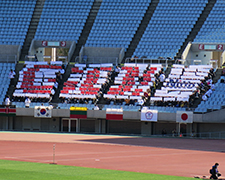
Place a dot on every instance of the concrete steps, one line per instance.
(87, 28)
(196, 27)
(141, 29)
(32, 28)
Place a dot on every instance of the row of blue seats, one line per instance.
(10, 15)
(57, 38)
(106, 45)
(21, 1)
(131, 1)
(68, 2)
(13, 40)
(71, 15)
(69, 6)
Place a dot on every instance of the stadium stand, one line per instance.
(15, 17)
(133, 80)
(214, 99)
(185, 85)
(38, 81)
(5, 80)
(116, 23)
(167, 30)
(85, 84)
(133, 86)
(63, 20)
(213, 29)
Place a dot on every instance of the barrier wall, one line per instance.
(96, 123)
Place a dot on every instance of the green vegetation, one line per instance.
(15, 170)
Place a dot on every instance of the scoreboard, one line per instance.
(211, 47)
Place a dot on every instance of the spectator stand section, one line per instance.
(5, 69)
(116, 23)
(213, 100)
(182, 87)
(63, 20)
(213, 30)
(15, 17)
(133, 86)
(38, 81)
(167, 30)
(85, 85)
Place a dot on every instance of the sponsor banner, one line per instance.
(7, 111)
(114, 114)
(43, 111)
(78, 112)
(184, 117)
(149, 115)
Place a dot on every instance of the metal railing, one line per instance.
(97, 60)
(202, 135)
(164, 62)
(8, 58)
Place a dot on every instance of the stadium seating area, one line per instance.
(15, 17)
(5, 80)
(38, 81)
(85, 84)
(182, 82)
(216, 99)
(128, 82)
(116, 23)
(168, 28)
(213, 30)
(63, 20)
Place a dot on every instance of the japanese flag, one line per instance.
(184, 117)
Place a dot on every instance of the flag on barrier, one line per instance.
(149, 114)
(114, 114)
(8, 111)
(43, 111)
(78, 112)
(184, 117)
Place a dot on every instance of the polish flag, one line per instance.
(114, 114)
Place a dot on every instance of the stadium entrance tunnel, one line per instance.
(205, 54)
(51, 51)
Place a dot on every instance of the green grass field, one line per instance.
(15, 170)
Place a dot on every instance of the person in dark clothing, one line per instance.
(35, 58)
(214, 172)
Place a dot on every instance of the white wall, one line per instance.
(205, 56)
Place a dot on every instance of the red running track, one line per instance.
(168, 156)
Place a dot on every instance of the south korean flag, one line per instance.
(43, 111)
